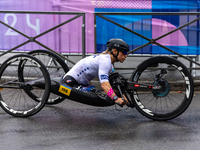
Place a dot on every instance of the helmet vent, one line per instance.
(116, 45)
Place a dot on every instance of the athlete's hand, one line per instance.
(121, 101)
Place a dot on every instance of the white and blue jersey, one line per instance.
(91, 67)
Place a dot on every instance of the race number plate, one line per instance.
(64, 90)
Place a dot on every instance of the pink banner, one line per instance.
(66, 39)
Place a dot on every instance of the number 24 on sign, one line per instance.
(13, 33)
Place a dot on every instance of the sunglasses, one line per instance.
(124, 52)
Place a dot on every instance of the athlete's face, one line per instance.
(121, 57)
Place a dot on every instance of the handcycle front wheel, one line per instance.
(176, 93)
(13, 97)
(55, 66)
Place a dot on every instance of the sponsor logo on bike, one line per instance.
(64, 90)
(187, 81)
(142, 106)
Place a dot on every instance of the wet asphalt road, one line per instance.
(74, 126)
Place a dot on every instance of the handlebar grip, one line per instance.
(124, 100)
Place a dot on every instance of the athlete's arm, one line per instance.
(104, 69)
(106, 87)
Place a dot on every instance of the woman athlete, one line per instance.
(100, 65)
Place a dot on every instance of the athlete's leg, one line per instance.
(69, 80)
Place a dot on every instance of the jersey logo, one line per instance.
(64, 90)
(103, 77)
(95, 56)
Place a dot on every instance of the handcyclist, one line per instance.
(100, 65)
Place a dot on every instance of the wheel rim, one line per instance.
(13, 96)
(172, 100)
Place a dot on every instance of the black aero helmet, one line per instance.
(118, 44)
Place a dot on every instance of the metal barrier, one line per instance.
(33, 39)
(100, 14)
(150, 41)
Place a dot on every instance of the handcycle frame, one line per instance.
(159, 88)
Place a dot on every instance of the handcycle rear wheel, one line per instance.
(55, 66)
(13, 98)
(175, 95)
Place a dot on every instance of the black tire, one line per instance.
(55, 66)
(175, 96)
(13, 98)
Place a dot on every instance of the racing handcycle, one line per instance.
(160, 88)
